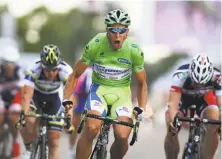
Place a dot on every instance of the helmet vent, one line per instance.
(198, 69)
(113, 19)
(118, 14)
(122, 20)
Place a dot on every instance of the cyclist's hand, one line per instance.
(172, 129)
(70, 129)
(219, 80)
(68, 105)
(138, 113)
(21, 121)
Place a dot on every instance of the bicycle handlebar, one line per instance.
(110, 120)
(134, 126)
(21, 122)
(197, 120)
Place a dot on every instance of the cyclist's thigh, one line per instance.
(80, 103)
(53, 136)
(208, 107)
(123, 107)
(95, 100)
(122, 110)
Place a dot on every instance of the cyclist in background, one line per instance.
(80, 94)
(194, 84)
(11, 76)
(44, 83)
(114, 57)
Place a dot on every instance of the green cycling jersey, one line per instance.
(113, 67)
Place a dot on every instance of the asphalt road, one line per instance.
(150, 141)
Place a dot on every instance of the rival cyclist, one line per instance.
(195, 84)
(80, 93)
(11, 76)
(44, 83)
(114, 56)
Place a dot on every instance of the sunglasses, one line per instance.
(117, 30)
(51, 69)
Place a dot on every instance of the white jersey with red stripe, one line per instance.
(183, 83)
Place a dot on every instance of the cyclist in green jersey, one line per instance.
(113, 56)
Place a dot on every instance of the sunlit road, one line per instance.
(150, 144)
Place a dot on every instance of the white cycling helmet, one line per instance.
(201, 69)
(9, 54)
(117, 17)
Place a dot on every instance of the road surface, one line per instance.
(150, 144)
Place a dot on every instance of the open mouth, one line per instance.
(117, 42)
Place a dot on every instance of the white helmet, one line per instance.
(201, 69)
(117, 17)
(10, 54)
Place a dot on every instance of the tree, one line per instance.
(70, 31)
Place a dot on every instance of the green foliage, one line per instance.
(70, 31)
(154, 71)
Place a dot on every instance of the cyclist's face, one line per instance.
(51, 74)
(116, 35)
(9, 67)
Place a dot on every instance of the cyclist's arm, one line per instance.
(218, 100)
(173, 102)
(27, 94)
(70, 86)
(142, 89)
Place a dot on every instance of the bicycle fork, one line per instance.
(100, 149)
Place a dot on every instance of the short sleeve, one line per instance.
(31, 74)
(89, 50)
(137, 58)
(65, 71)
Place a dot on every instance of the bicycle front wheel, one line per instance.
(196, 152)
(185, 152)
(43, 151)
(35, 150)
(102, 153)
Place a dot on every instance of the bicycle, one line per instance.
(100, 148)
(196, 133)
(5, 139)
(40, 149)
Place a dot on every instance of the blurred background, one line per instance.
(169, 32)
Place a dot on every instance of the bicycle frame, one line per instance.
(100, 149)
(41, 142)
(193, 145)
(6, 137)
